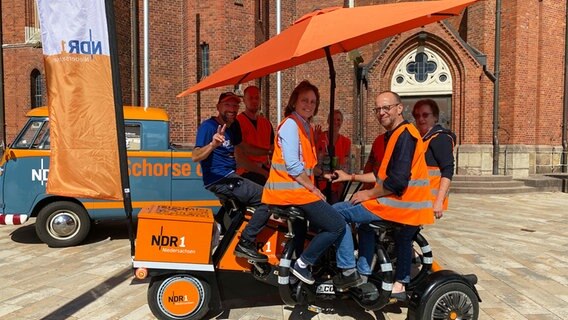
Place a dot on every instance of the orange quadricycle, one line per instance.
(182, 250)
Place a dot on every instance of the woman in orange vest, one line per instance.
(439, 145)
(401, 194)
(342, 152)
(291, 177)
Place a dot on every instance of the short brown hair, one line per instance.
(301, 87)
(433, 105)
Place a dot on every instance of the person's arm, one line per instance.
(289, 140)
(342, 176)
(442, 151)
(376, 192)
(400, 164)
(438, 205)
(201, 153)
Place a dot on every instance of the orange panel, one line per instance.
(269, 240)
(174, 234)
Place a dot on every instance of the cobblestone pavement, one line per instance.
(516, 244)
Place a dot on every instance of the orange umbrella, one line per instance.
(326, 32)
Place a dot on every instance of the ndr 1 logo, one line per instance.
(83, 46)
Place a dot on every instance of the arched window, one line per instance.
(36, 85)
(422, 73)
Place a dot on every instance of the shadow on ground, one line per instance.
(241, 290)
(25, 234)
(111, 230)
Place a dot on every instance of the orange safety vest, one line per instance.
(414, 207)
(258, 136)
(435, 173)
(281, 188)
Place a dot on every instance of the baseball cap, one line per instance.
(227, 96)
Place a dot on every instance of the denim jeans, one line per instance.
(323, 217)
(403, 239)
(249, 194)
(346, 259)
(345, 249)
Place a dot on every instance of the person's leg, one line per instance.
(367, 244)
(357, 214)
(403, 240)
(250, 194)
(345, 256)
(324, 218)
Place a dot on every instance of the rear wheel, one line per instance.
(62, 224)
(179, 297)
(451, 301)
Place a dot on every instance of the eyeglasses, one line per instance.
(385, 109)
(421, 115)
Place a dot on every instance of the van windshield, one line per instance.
(34, 136)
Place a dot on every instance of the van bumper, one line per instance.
(13, 219)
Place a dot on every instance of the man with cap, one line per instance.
(215, 145)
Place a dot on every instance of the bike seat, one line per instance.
(286, 212)
(384, 224)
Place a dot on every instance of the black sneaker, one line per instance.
(304, 274)
(343, 282)
(247, 250)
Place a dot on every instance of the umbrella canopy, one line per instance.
(333, 30)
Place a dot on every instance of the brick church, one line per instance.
(452, 61)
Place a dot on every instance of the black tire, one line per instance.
(62, 224)
(161, 306)
(452, 300)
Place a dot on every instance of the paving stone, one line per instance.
(515, 244)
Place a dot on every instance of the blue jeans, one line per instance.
(249, 194)
(403, 239)
(322, 217)
(346, 259)
(345, 249)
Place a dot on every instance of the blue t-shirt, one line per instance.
(221, 162)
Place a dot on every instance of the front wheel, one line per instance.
(62, 224)
(179, 297)
(453, 300)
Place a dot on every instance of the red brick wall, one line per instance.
(532, 64)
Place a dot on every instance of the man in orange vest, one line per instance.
(401, 194)
(215, 144)
(257, 132)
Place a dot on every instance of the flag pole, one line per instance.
(2, 109)
(117, 92)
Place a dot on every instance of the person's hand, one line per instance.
(317, 130)
(361, 196)
(318, 193)
(219, 137)
(337, 176)
(438, 209)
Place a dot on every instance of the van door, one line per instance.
(26, 169)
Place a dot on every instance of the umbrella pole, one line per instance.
(330, 147)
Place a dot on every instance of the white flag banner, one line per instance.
(84, 159)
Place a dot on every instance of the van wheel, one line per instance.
(62, 224)
(179, 297)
